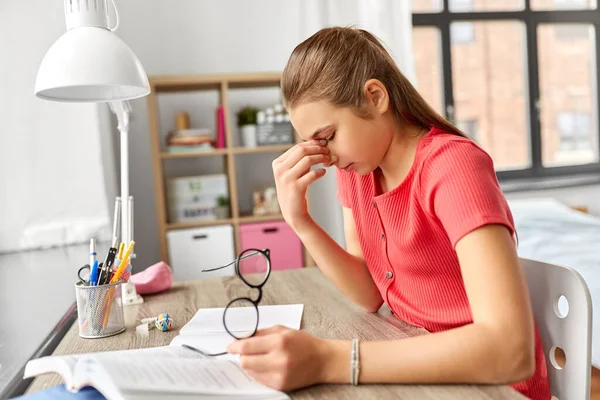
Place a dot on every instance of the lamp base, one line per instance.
(130, 295)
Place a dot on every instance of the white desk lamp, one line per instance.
(89, 63)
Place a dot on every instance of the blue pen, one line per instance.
(94, 274)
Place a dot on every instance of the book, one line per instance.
(202, 148)
(145, 373)
(173, 370)
(220, 128)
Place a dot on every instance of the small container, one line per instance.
(99, 310)
(261, 117)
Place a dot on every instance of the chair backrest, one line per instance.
(565, 324)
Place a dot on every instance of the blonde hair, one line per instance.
(335, 63)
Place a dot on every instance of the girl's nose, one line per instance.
(333, 159)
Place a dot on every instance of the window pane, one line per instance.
(489, 82)
(485, 5)
(563, 4)
(568, 101)
(427, 6)
(428, 65)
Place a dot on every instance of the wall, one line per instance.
(51, 172)
(201, 37)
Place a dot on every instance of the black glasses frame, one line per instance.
(266, 253)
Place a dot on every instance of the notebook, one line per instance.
(206, 331)
(172, 370)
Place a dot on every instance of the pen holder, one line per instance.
(99, 310)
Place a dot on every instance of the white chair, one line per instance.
(565, 324)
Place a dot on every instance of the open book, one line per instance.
(173, 370)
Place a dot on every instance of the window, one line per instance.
(469, 127)
(428, 63)
(572, 32)
(563, 4)
(520, 77)
(461, 5)
(574, 130)
(462, 32)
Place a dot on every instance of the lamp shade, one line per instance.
(90, 64)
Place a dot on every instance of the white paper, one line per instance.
(210, 343)
(182, 376)
(210, 320)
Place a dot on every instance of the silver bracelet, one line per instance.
(354, 363)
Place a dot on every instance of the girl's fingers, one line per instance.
(302, 167)
(270, 330)
(252, 345)
(311, 176)
(299, 152)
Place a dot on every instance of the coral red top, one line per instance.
(408, 234)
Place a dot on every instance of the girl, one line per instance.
(427, 230)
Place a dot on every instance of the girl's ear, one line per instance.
(377, 96)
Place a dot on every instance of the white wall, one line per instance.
(200, 37)
(51, 177)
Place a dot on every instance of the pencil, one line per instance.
(107, 303)
(120, 253)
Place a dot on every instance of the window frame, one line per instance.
(531, 19)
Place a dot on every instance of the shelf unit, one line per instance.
(223, 84)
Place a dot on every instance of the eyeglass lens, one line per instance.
(253, 267)
(241, 318)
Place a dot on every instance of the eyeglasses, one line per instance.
(253, 266)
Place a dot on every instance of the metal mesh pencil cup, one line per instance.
(99, 310)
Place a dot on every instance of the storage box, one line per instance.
(273, 133)
(191, 250)
(194, 198)
(285, 246)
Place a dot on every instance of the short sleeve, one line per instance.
(460, 189)
(343, 187)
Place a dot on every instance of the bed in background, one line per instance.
(553, 232)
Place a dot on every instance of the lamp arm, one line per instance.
(122, 110)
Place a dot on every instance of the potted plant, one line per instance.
(222, 208)
(247, 123)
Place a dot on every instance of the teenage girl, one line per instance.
(428, 231)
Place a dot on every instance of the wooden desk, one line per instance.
(327, 314)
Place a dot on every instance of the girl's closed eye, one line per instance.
(330, 137)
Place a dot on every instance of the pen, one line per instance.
(92, 251)
(94, 273)
(104, 277)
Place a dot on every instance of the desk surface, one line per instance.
(327, 314)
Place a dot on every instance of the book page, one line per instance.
(210, 320)
(171, 375)
(62, 365)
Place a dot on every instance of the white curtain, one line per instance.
(52, 173)
(391, 22)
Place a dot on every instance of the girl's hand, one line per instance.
(282, 358)
(293, 175)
